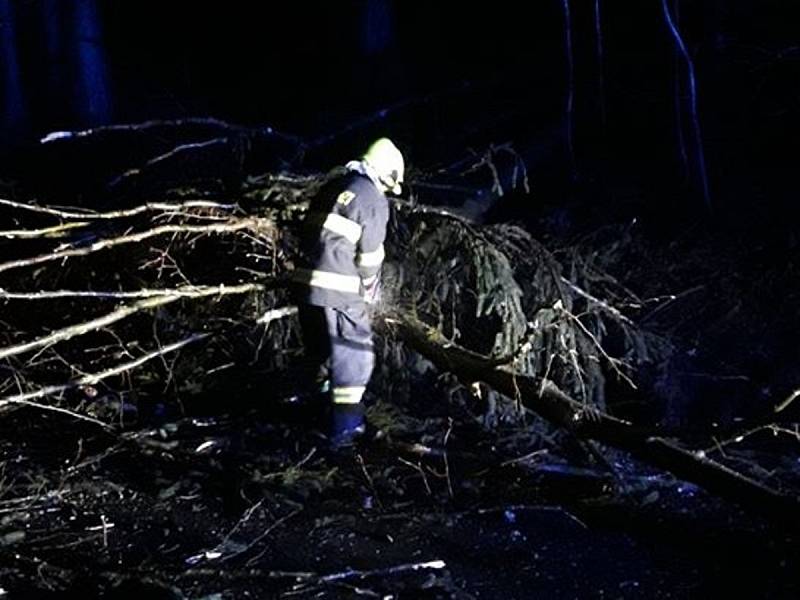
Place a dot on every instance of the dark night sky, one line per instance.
(492, 73)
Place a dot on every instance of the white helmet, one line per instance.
(387, 162)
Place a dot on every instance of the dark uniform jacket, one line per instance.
(342, 241)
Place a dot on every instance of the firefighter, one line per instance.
(342, 246)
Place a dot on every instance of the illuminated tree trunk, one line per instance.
(13, 100)
(93, 93)
(693, 109)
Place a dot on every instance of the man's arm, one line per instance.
(370, 251)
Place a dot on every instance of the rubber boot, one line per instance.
(346, 425)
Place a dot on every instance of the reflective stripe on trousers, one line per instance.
(328, 280)
(348, 395)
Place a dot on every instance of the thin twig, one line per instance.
(91, 379)
(396, 570)
(613, 362)
(670, 300)
(246, 516)
(604, 305)
(231, 226)
(63, 411)
(187, 291)
(116, 214)
(369, 479)
(47, 232)
(785, 404)
(263, 536)
(446, 461)
(525, 458)
(277, 313)
(117, 315)
(166, 156)
(418, 467)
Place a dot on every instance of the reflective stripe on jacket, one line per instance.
(342, 241)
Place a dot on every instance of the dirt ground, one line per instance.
(250, 505)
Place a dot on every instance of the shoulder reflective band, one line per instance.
(372, 259)
(348, 395)
(329, 281)
(343, 226)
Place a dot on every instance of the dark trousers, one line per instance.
(338, 342)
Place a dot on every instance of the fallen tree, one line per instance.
(647, 444)
(487, 303)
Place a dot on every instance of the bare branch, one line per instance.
(58, 409)
(187, 291)
(47, 232)
(596, 301)
(91, 379)
(277, 313)
(785, 404)
(231, 226)
(387, 571)
(116, 214)
(614, 363)
(117, 315)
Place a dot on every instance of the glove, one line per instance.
(372, 289)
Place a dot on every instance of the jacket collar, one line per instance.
(363, 168)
